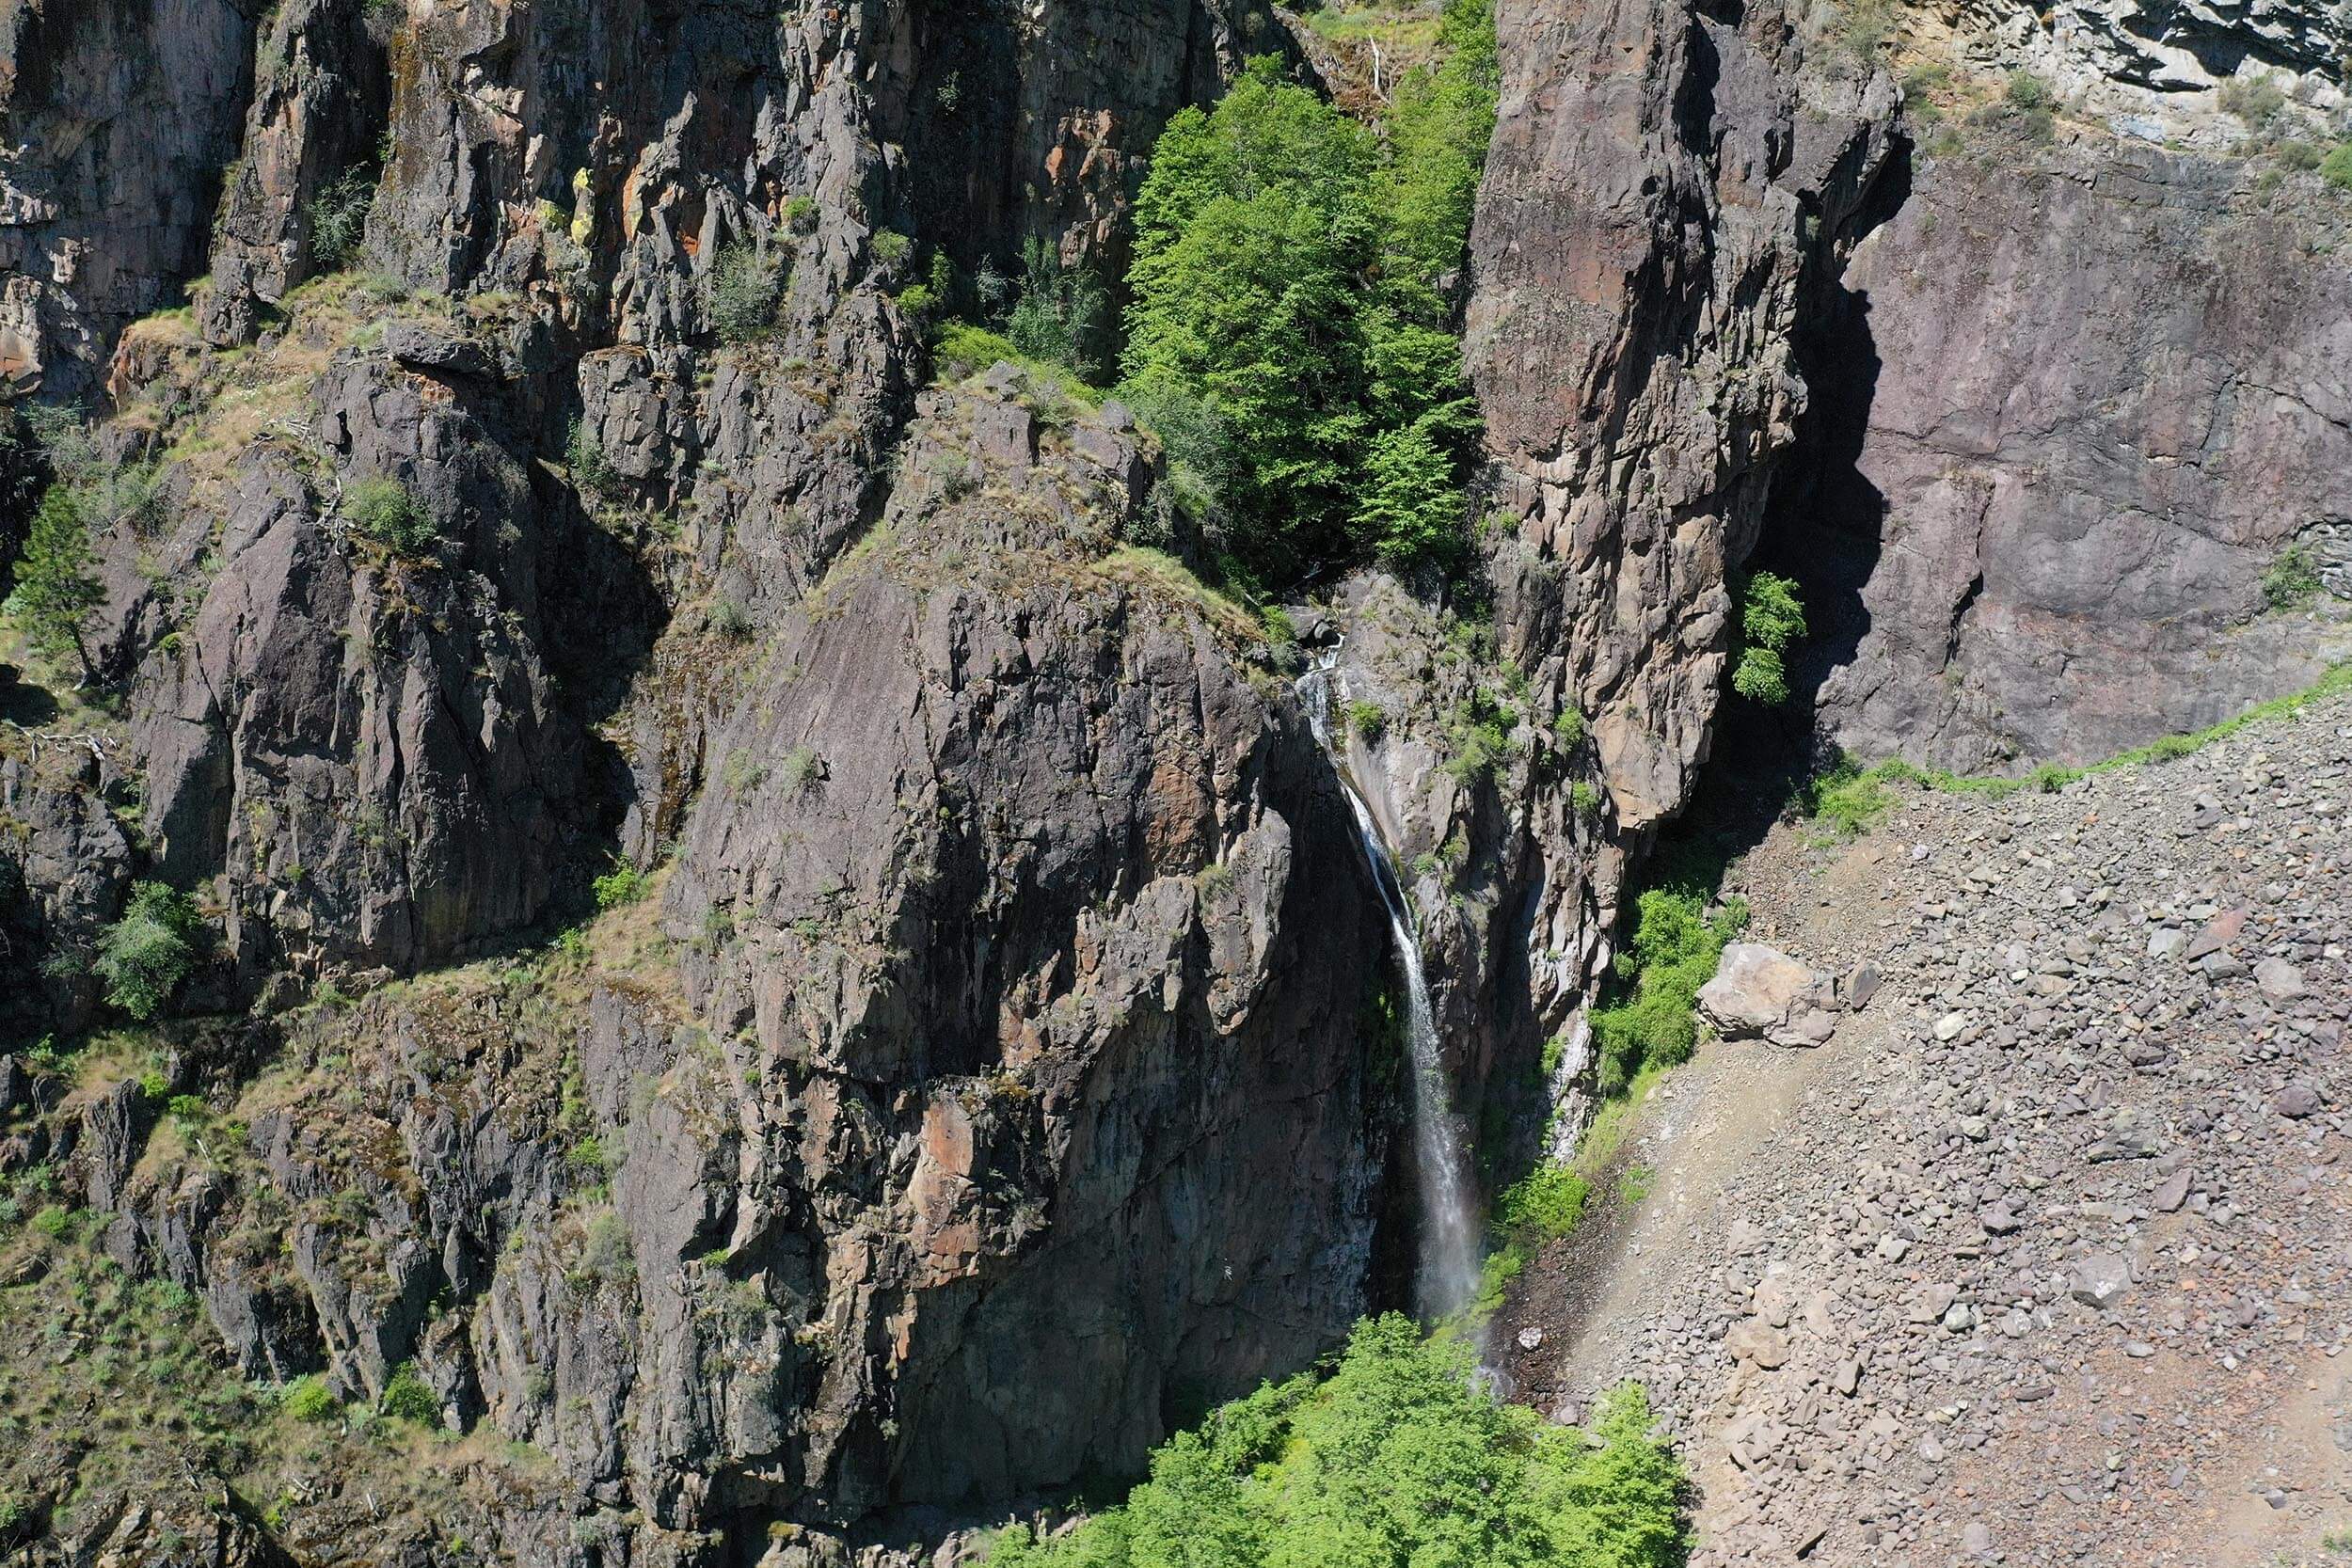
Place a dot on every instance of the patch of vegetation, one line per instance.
(2030, 106)
(1674, 951)
(1287, 311)
(408, 1398)
(1540, 1207)
(592, 473)
(2336, 168)
(336, 218)
(2255, 98)
(143, 956)
(384, 511)
(623, 884)
(1397, 1458)
(745, 287)
(1479, 729)
(1369, 720)
(1849, 798)
(306, 1399)
(1770, 617)
(1063, 314)
(2292, 579)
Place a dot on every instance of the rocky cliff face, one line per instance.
(1010, 946)
(981, 1060)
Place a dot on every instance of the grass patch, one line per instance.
(1848, 799)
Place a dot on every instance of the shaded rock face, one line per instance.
(2059, 555)
(1653, 202)
(118, 117)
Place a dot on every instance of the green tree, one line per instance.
(1287, 279)
(144, 956)
(55, 592)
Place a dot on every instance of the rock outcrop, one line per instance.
(1655, 197)
(2057, 557)
(118, 118)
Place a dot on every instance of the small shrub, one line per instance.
(408, 1398)
(337, 218)
(964, 350)
(1846, 799)
(623, 884)
(306, 1399)
(2292, 579)
(800, 768)
(2026, 91)
(727, 618)
(605, 1255)
(890, 247)
(1584, 800)
(1770, 617)
(54, 1222)
(591, 473)
(1545, 1204)
(1480, 729)
(1570, 728)
(188, 1109)
(384, 511)
(1674, 952)
(743, 772)
(744, 289)
(1370, 721)
(2256, 99)
(1061, 313)
(2336, 168)
(143, 956)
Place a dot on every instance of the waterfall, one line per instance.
(1446, 1278)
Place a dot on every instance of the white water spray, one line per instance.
(1447, 1275)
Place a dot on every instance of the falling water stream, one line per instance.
(1447, 1275)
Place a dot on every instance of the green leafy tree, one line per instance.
(1287, 278)
(143, 956)
(55, 592)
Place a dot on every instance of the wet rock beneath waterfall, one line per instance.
(1761, 992)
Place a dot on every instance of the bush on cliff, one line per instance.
(1398, 1458)
(143, 956)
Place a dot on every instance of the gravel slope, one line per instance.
(2044, 1257)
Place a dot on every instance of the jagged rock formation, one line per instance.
(1644, 229)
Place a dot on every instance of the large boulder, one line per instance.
(1761, 992)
